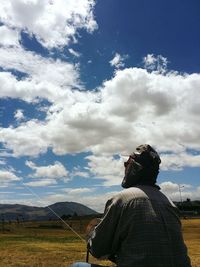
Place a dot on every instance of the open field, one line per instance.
(42, 244)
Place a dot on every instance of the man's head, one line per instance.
(142, 167)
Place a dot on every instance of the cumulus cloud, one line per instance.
(9, 37)
(135, 106)
(7, 177)
(179, 192)
(179, 160)
(26, 139)
(118, 61)
(44, 77)
(36, 17)
(155, 63)
(107, 168)
(169, 186)
(19, 115)
(55, 171)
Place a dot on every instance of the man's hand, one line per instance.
(90, 227)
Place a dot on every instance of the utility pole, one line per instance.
(179, 187)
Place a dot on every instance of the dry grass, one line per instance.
(191, 232)
(42, 244)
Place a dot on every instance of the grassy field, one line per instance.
(49, 244)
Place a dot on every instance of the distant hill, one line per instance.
(10, 212)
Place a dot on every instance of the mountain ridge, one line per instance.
(11, 212)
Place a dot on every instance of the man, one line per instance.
(140, 226)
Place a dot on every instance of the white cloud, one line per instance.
(80, 174)
(36, 17)
(180, 192)
(41, 183)
(155, 63)
(134, 107)
(169, 186)
(19, 115)
(5, 153)
(45, 75)
(27, 139)
(78, 191)
(109, 169)
(2, 161)
(179, 160)
(7, 176)
(9, 37)
(118, 61)
(55, 171)
(74, 53)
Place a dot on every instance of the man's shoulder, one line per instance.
(140, 192)
(135, 196)
(129, 194)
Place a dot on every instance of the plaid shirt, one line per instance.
(140, 228)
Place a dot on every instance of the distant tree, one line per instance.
(3, 222)
(21, 218)
(66, 217)
(17, 219)
(75, 215)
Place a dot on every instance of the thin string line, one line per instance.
(37, 196)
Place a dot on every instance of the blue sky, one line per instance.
(83, 83)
